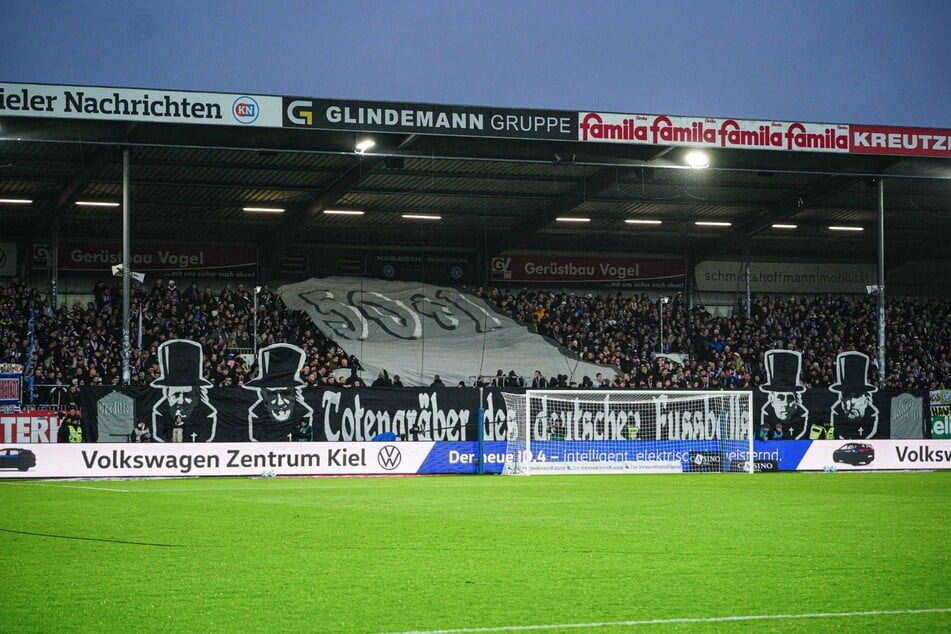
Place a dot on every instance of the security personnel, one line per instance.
(632, 431)
(825, 431)
(75, 429)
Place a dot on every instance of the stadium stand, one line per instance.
(81, 344)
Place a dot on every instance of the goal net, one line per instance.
(613, 431)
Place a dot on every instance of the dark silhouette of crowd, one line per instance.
(82, 344)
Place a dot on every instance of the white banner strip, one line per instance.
(211, 459)
(142, 105)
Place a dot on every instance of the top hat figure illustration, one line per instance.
(279, 365)
(180, 363)
(184, 413)
(280, 407)
(782, 371)
(851, 373)
(783, 410)
(854, 415)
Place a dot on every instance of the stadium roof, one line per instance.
(497, 178)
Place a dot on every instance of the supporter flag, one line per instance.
(419, 330)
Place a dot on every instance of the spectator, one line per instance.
(538, 381)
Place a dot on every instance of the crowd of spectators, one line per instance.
(82, 344)
(728, 352)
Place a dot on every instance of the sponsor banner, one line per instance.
(647, 129)
(712, 132)
(197, 259)
(786, 455)
(11, 390)
(139, 105)
(630, 456)
(223, 459)
(8, 259)
(941, 414)
(876, 455)
(434, 268)
(38, 426)
(712, 461)
(416, 118)
(785, 277)
(570, 269)
(406, 458)
(866, 139)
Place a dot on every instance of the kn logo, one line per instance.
(389, 457)
(245, 110)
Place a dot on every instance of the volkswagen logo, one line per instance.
(389, 457)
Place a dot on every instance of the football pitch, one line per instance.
(655, 553)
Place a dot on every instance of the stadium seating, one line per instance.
(81, 345)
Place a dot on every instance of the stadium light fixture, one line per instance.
(422, 217)
(711, 223)
(845, 228)
(697, 159)
(572, 219)
(95, 203)
(16, 201)
(363, 145)
(781, 226)
(265, 210)
(344, 212)
(638, 221)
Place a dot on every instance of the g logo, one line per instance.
(300, 112)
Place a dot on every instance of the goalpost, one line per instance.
(628, 431)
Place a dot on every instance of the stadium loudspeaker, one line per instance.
(393, 162)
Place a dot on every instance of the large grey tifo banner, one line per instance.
(784, 277)
(419, 330)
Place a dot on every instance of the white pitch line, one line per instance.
(712, 619)
(59, 485)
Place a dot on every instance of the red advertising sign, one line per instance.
(867, 139)
(191, 256)
(585, 269)
(31, 427)
(763, 135)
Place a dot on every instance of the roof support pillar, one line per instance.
(126, 264)
(881, 283)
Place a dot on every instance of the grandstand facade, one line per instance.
(592, 230)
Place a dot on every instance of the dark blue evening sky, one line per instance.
(837, 61)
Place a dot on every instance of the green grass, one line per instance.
(400, 554)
